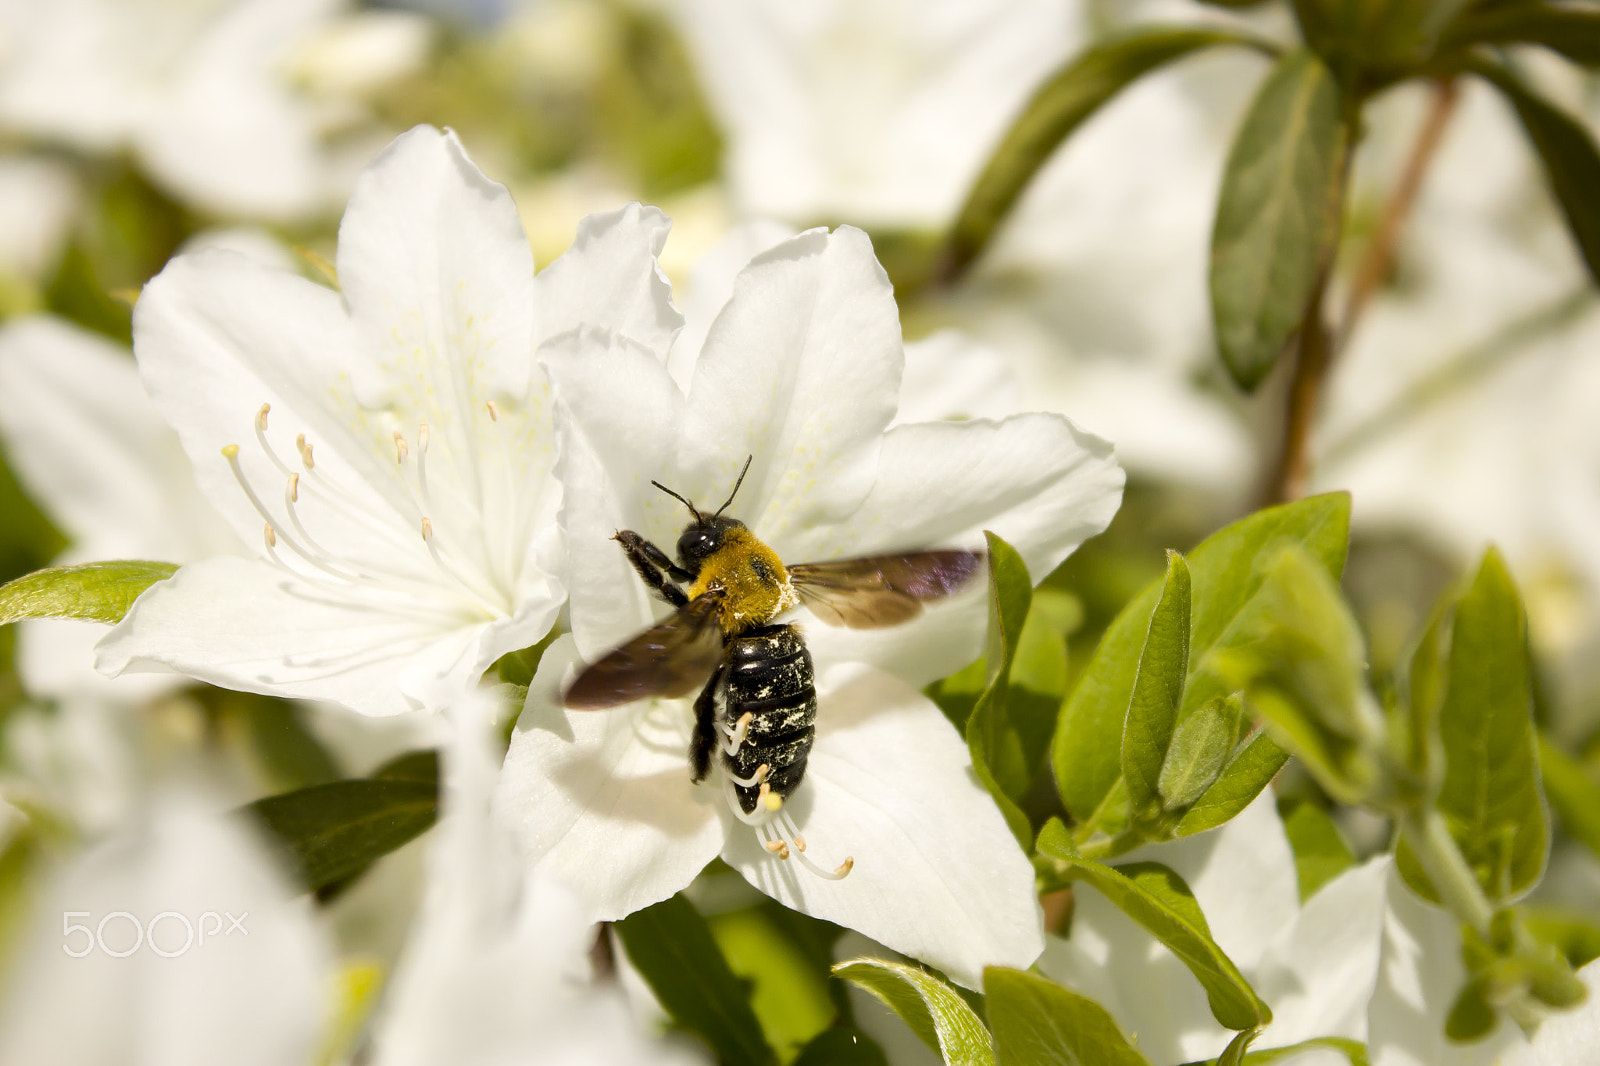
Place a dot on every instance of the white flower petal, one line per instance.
(437, 271)
(247, 625)
(39, 200)
(252, 998)
(1420, 976)
(950, 375)
(1319, 973)
(602, 801)
(218, 335)
(1033, 479)
(610, 276)
(802, 371)
(622, 417)
(710, 287)
(93, 452)
(937, 874)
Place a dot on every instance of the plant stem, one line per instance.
(1425, 830)
(1379, 254)
(1317, 344)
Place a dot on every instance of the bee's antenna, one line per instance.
(748, 460)
(675, 496)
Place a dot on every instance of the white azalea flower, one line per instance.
(389, 450)
(877, 112)
(206, 97)
(801, 371)
(252, 996)
(95, 455)
(38, 201)
(1316, 966)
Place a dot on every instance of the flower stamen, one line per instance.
(775, 827)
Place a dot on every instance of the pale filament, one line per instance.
(776, 829)
(301, 543)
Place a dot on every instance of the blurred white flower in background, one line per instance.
(223, 101)
(496, 968)
(39, 201)
(877, 112)
(882, 113)
(802, 370)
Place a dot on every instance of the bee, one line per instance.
(757, 705)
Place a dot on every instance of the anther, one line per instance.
(427, 530)
(422, 437)
(770, 799)
(305, 450)
(399, 447)
(777, 847)
(294, 488)
(844, 867)
(261, 416)
(269, 536)
(494, 412)
(800, 842)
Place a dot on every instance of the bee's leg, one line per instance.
(705, 728)
(650, 562)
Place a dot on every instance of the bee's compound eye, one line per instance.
(694, 544)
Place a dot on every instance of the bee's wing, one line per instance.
(669, 659)
(882, 590)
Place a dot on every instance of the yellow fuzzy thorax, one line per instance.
(753, 580)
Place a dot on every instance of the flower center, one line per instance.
(310, 561)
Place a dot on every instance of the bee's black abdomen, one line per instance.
(769, 676)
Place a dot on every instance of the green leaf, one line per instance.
(1038, 1023)
(998, 755)
(99, 592)
(1277, 221)
(1573, 793)
(788, 989)
(1234, 1053)
(1303, 663)
(935, 1011)
(333, 832)
(1255, 762)
(1572, 31)
(1567, 150)
(421, 765)
(1352, 1050)
(1226, 570)
(1374, 42)
(1320, 853)
(1157, 695)
(1056, 109)
(841, 1046)
(1491, 796)
(1575, 934)
(672, 948)
(1199, 750)
(1157, 899)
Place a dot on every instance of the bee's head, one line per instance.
(702, 538)
(705, 534)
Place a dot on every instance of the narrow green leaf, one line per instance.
(1575, 934)
(998, 755)
(1572, 31)
(333, 832)
(1157, 899)
(1276, 222)
(1320, 853)
(1226, 570)
(1199, 750)
(672, 948)
(1491, 795)
(1254, 764)
(1157, 695)
(99, 592)
(935, 1011)
(1352, 1050)
(1573, 793)
(841, 1046)
(1038, 1023)
(1234, 1053)
(1058, 108)
(1567, 150)
(422, 765)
